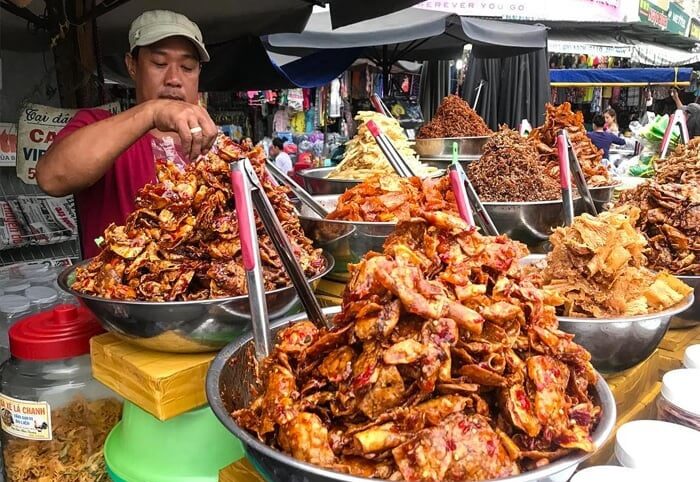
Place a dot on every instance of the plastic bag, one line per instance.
(166, 149)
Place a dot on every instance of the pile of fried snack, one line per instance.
(589, 156)
(392, 198)
(510, 171)
(182, 243)
(445, 363)
(670, 220)
(363, 157)
(682, 166)
(454, 118)
(598, 266)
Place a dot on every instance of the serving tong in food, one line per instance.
(677, 119)
(249, 194)
(569, 161)
(387, 147)
(380, 106)
(298, 191)
(466, 196)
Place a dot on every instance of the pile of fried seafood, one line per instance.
(393, 198)
(509, 171)
(181, 243)
(588, 155)
(445, 363)
(682, 166)
(670, 220)
(454, 118)
(363, 158)
(598, 266)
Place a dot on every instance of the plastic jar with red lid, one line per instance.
(54, 415)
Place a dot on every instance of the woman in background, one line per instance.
(610, 117)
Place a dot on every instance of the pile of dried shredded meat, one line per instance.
(393, 198)
(682, 166)
(598, 266)
(182, 241)
(454, 118)
(670, 219)
(445, 363)
(510, 171)
(74, 453)
(589, 156)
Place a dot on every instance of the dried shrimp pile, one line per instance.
(445, 363)
(454, 118)
(393, 198)
(363, 158)
(510, 171)
(182, 241)
(74, 454)
(682, 166)
(589, 156)
(670, 220)
(598, 266)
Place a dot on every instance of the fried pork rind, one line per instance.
(682, 166)
(74, 454)
(445, 363)
(598, 266)
(391, 198)
(454, 118)
(363, 157)
(670, 220)
(182, 242)
(588, 155)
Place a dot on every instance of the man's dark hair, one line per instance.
(598, 120)
(135, 53)
(278, 142)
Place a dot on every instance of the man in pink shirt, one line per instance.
(105, 159)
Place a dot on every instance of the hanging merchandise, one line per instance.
(597, 100)
(295, 99)
(309, 120)
(298, 122)
(280, 121)
(307, 98)
(335, 101)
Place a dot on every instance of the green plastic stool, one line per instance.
(191, 447)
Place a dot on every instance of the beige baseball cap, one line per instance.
(155, 25)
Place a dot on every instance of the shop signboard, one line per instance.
(572, 10)
(694, 29)
(651, 14)
(37, 128)
(8, 144)
(678, 20)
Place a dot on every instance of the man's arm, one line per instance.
(620, 141)
(83, 157)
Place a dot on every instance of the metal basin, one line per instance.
(231, 377)
(602, 196)
(691, 316)
(529, 222)
(441, 148)
(444, 164)
(183, 326)
(346, 241)
(316, 181)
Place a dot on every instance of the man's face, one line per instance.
(274, 150)
(168, 69)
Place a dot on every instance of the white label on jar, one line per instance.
(28, 420)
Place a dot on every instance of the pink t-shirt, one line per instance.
(111, 199)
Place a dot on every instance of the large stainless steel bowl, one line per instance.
(346, 241)
(316, 181)
(231, 377)
(691, 316)
(528, 222)
(183, 326)
(602, 196)
(441, 148)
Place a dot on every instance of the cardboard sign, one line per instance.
(8, 144)
(38, 127)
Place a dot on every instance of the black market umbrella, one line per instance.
(411, 34)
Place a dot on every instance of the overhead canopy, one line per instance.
(657, 55)
(621, 77)
(580, 43)
(411, 34)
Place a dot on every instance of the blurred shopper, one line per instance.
(602, 138)
(692, 114)
(610, 117)
(280, 158)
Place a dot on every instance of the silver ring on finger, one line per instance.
(196, 130)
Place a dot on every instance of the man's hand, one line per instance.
(676, 98)
(191, 122)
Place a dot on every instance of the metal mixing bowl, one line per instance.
(528, 222)
(602, 196)
(231, 377)
(183, 326)
(346, 241)
(691, 316)
(441, 148)
(316, 181)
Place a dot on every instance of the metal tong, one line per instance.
(577, 173)
(298, 191)
(248, 193)
(392, 154)
(379, 105)
(565, 178)
(466, 188)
